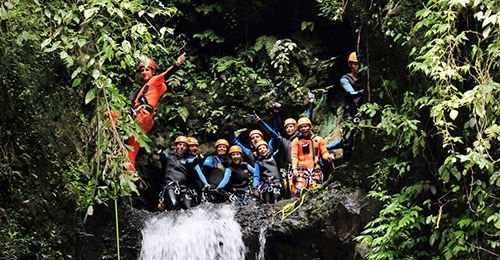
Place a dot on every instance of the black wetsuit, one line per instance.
(270, 182)
(214, 167)
(176, 181)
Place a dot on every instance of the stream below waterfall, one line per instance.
(205, 232)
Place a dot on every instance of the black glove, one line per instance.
(252, 118)
(229, 118)
(194, 128)
(161, 149)
(311, 96)
(275, 105)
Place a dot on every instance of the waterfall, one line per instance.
(205, 232)
(262, 243)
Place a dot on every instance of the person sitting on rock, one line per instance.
(267, 179)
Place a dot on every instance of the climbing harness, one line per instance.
(305, 179)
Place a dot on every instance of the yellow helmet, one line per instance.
(181, 139)
(290, 121)
(256, 131)
(235, 149)
(192, 141)
(304, 120)
(221, 142)
(352, 57)
(261, 142)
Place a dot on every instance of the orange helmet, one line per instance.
(148, 63)
(256, 132)
(235, 149)
(261, 142)
(221, 142)
(181, 139)
(290, 121)
(192, 141)
(304, 120)
(352, 57)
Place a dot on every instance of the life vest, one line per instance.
(239, 176)
(357, 85)
(175, 169)
(268, 167)
(215, 174)
(147, 97)
(309, 151)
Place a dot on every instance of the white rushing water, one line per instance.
(205, 232)
(262, 243)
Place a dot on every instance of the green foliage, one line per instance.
(453, 55)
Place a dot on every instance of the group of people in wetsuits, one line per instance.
(190, 178)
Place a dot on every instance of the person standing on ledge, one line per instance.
(353, 96)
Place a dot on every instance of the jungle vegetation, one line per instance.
(431, 70)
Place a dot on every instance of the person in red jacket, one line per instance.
(145, 101)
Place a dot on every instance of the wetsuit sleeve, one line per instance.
(165, 171)
(333, 146)
(209, 162)
(250, 168)
(348, 88)
(169, 72)
(243, 148)
(269, 129)
(225, 180)
(197, 168)
(295, 153)
(310, 110)
(272, 142)
(256, 176)
(277, 122)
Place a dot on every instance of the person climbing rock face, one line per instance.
(144, 101)
(353, 96)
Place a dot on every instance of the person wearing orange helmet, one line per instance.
(251, 153)
(353, 96)
(267, 178)
(145, 99)
(308, 149)
(215, 165)
(176, 177)
(236, 175)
